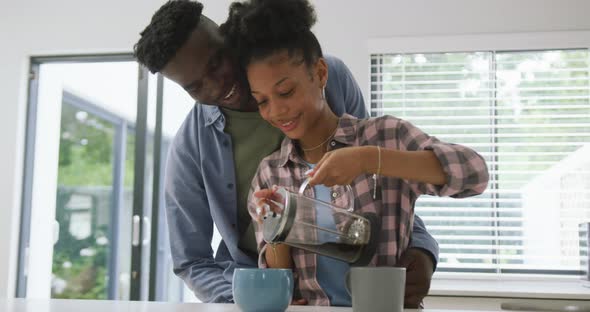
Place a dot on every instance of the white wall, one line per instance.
(345, 26)
(44, 28)
(66, 26)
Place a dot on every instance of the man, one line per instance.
(224, 133)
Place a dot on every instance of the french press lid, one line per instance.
(277, 225)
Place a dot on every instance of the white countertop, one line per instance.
(57, 305)
(62, 305)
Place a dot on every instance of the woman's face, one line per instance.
(288, 92)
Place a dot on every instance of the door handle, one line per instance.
(135, 231)
(147, 229)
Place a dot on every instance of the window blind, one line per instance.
(528, 114)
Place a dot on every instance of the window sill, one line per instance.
(539, 288)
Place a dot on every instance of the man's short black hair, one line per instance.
(169, 29)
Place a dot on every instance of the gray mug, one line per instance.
(376, 289)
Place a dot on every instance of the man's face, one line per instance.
(203, 68)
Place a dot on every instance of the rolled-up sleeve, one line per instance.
(466, 170)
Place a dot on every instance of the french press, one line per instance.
(321, 227)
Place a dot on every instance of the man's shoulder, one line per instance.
(194, 134)
(336, 85)
(188, 127)
(334, 63)
(191, 130)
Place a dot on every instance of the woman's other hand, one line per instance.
(268, 202)
(342, 166)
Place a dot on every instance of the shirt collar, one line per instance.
(346, 135)
(211, 113)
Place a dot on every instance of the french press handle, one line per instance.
(348, 191)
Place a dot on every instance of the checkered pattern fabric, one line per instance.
(466, 172)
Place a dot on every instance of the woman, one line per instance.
(387, 161)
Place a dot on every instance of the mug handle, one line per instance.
(348, 191)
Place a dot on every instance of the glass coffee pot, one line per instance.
(321, 227)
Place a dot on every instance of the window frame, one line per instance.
(468, 43)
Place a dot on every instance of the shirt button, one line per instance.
(230, 186)
(225, 143)
(334, 194)
(333, 143)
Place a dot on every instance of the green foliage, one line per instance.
(86, 150)
(85, 275)
(85, 160)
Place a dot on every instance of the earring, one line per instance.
(324, 93)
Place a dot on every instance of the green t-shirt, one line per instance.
(252, 139)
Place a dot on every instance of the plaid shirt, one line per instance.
(466, 173)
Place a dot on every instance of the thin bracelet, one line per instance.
(377, 173)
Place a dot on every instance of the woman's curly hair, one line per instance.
(256, 29)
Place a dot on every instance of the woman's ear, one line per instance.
(322, 71)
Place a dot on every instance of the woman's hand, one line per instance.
(269, 202)
(342, 166)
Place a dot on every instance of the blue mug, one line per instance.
(262, 290)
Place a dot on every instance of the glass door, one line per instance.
(79, 224)
(93, 221)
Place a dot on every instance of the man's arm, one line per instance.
(191, 229)
(420, 261)
(422, 240)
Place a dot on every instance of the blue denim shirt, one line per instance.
(201, 193)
